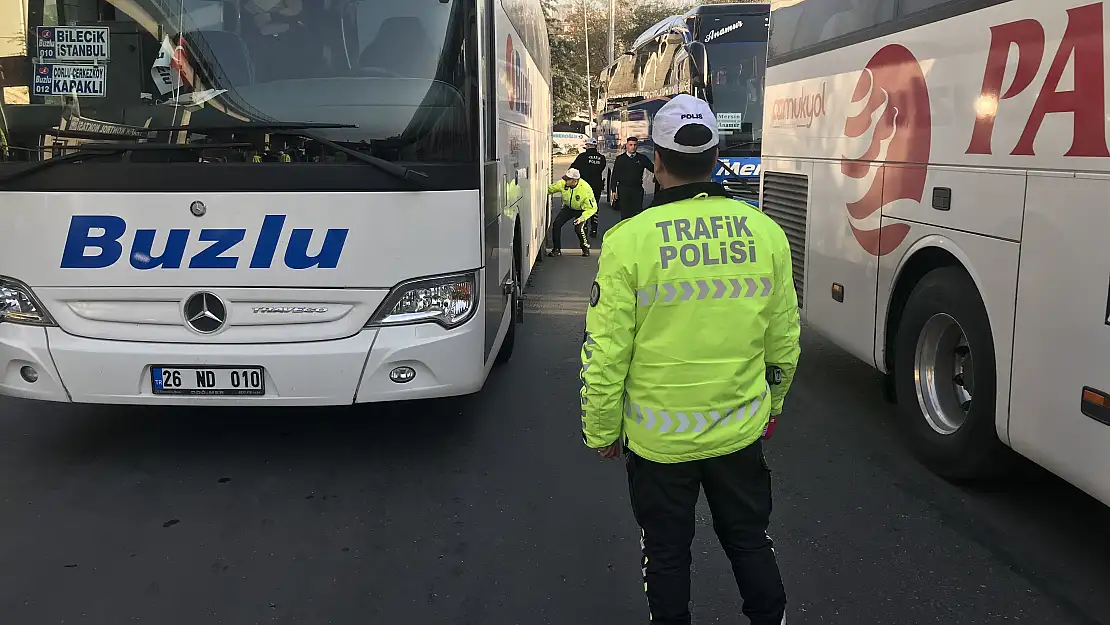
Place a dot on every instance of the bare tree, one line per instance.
(568, 42)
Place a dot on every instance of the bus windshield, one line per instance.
(396, 80)
(737, 50)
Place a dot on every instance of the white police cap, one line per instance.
(573, 174)
(685, 124)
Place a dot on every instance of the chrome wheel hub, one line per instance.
(943, 374)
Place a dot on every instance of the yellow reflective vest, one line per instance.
(580, 198)
(694, 300)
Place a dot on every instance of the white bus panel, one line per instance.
(940, 168)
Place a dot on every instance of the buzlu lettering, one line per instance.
(94, 242)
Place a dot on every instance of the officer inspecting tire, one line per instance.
(690, 348)
(578, 206)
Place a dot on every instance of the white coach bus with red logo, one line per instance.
(942, 170)
(267, 202)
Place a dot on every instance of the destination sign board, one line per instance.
(85, 81)
(74, 43)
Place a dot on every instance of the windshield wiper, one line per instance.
(253, 126)
(96, 150)
(397, 171)
(744, 144)
(400, 172)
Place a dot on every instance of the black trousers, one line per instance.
(568, 214)
(738, 490)
(595, 221)
(630, 200)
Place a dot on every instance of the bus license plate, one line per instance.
(208, 380)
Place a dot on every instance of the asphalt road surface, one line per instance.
(487, 510)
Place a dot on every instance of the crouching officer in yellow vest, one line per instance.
(578, 205)
(690, 348)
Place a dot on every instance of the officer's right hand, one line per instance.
(612, 452)
(769, 429)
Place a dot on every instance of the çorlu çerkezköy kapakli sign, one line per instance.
(80, 80)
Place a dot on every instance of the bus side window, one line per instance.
(811, 22)
(665, 70)
(784, 30)
(909, 7)
(680, 72)
(856, 15)
(491, 82)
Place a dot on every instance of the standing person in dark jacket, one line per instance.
(628, 176)
(592, 165)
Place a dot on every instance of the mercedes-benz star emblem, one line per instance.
(198, 209)
(205, 313)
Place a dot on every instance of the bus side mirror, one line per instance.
(700, 72)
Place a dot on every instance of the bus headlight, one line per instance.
(18, 305)
(449, 301)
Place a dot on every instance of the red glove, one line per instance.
(769, 430)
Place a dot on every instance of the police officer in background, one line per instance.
(592, 165)
(628, 179)
(691, 345)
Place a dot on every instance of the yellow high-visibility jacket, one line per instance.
(580, 198)
(694, 300)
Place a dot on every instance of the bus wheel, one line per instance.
(945, 377)
(506, 351)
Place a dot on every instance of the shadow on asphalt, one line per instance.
(1036, 524)
(373, 434)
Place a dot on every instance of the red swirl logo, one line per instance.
(896, 113)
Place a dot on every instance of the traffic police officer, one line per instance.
(591, 164)
(691, 345)
(578, 205)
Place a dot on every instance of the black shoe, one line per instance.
(586, 253)
(555, 253)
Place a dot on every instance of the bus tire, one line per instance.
(946, 378)
(507, 345)
(890, 391)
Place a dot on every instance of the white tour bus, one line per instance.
(267, 201)
(941, 168)
(569, 142)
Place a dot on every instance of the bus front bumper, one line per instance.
(50, 365)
